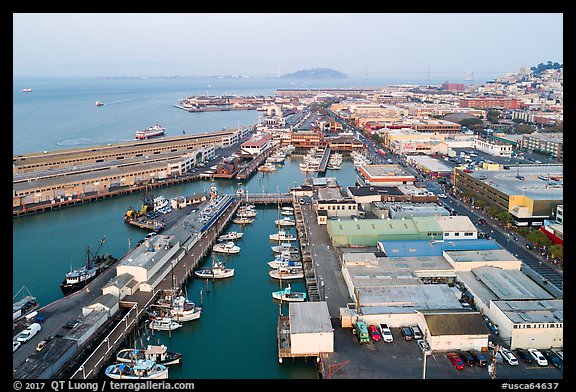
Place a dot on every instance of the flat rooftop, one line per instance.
(537, 311)
(309, 317)
(149, 253)
(374, 190)
(430, 163)
(375, 171)
(436, 248)
(407, 298)
(476, 255)
(329, 194)
(532, 186)
(493, 284)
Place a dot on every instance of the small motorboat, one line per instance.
(140, 370)
(164, 324)
(227, 248)
(289, 296)
(233, 235)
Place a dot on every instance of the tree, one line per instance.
(471, 122)
(492, 115)
(524, 128)
(538, 238)
(557, 251)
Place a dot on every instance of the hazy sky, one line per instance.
(189, 44)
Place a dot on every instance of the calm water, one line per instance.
(235, 337)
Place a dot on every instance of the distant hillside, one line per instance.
(316, 73)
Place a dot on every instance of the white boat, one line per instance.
(285, 246)
(286, 221)
(217, 271)
(160, 203)
(246, 214)
(163, 324)
(184, 310)
(228, 247)
(154, 131)
(282, 235)
(311, 165)
(281, 262)
(268, 167)
(287, 208)
(26, 90)
(233, 235)
(286, 274)
(287, 213)
(140, 370)
(288, 295)
(158, 354)
(243, 221)
(98, 103)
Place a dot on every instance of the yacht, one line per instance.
(217, 271)
(286, 221)
(233, 235)
(184, 309)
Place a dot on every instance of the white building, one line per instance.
(311, 330)
(457, 227)
(493, 147)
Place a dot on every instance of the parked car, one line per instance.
(421, 345)
(71, 324)
(407, 333)
(538, 357)
(524, 355)
(29, 333)
(480, 358)
(15, 345)
(416, 332)
(41, 344)
(559, 352)
(442, 195)
(386, 333)
(509, 357)
(467, 358)
(482, 221)
(456, 361)
(553, 358)
(374, 333)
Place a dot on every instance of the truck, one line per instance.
(361, 331)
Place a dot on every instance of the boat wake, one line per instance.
(77, 142)
(120, 101)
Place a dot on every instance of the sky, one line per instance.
(268, 44)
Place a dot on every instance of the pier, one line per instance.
(247, 171)
(324, 160)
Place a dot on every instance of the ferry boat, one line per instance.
(142, 369)
(77, 279)
(288, 295)
(154, 131)
(98, 103)
(158, 354)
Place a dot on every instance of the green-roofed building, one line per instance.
(367, 232)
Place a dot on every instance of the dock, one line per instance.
(249, 169)
(324, 160)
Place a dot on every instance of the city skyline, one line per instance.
(273, 44)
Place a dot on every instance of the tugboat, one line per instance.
(77, 279)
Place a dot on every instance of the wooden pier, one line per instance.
(324, 160)
(249, 169)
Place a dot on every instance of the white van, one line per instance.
(29, 333)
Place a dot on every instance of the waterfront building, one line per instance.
(530, 193)
(306, 138)
(365, 195)
(106, 303)
(257, 145)
(344, 144)
(329, 202)
(407, 210)
(431, 167)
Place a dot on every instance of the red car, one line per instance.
(374, 333)
(456, 361)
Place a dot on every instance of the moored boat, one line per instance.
(286, 221)
(218, 271)
(25, 305)
(243, 221)
(288, 273)
(282, 235)
(228, 248)
(158, 354)
(280, 262)
(233, 235)
(285, 246)
(184, 310)
(140, 370)
(288, 295)
(163, 324)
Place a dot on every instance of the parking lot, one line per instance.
(404, 360)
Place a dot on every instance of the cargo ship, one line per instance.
(154, 131)
(78, 279)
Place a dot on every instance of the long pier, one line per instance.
(247, 171)
(324, 160)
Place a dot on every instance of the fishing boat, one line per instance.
(281, 262)
(218, 271)
(285, 246)
(233, 235)
(184, 310)
(282, 235)
(286, 221)
(140, 370)
(268, 167)
(158, 354)
(228, 248)
(154, 131)
(287, 211)
(94, 265)
(163, 324)
(243, 221)
(98, 103)
(287, 273)
(25, 305)
(289, 296)
(246, 214)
